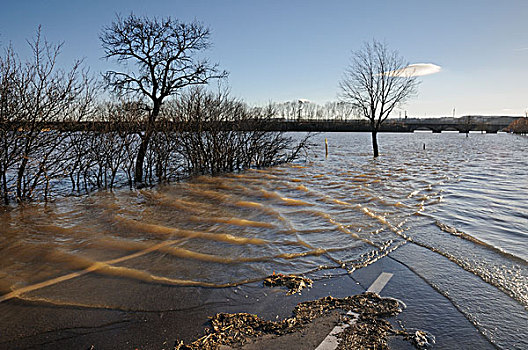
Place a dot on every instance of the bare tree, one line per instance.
(164, 52)
(10, 118)
(376, 81)
(35, 97)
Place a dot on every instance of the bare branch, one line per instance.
(371, 86)
(164, 52)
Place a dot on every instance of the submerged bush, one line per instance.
(220, 134)
(34, 96)
(198, 133)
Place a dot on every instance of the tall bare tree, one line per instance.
(164, 52)
(375, 82)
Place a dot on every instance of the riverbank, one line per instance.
(181, 313)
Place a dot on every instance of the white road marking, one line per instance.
(331, 341)
(380, 282)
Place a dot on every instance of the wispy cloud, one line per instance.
(521, 49)
(416, 70)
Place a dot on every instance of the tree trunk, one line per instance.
(142, 151)
(140, 159)
(375, 143)
(20, 175)
(4, 187)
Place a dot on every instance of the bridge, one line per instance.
(488, 124)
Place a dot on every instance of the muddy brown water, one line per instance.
(462, 198)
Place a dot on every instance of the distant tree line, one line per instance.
(160, 125)
(307, 110)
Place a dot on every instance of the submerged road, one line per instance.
(331, 342)
(424, 309)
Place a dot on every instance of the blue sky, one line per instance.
(286, 50)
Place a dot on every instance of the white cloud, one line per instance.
(416, 70)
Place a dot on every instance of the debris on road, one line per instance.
(294, 283)
(371, 330)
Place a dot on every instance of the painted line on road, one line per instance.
(380, 282)
(331, 341)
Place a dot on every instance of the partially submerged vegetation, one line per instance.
(370, 331)
(200, 133)
(58, 136)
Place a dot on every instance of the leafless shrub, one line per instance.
(53, 131)
(105, 147)
(38, 97)
(10, 116)
(220, 134)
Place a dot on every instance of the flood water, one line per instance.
(463, 199)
